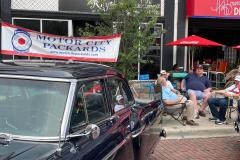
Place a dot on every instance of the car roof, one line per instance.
(55, 69)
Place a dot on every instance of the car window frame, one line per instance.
(126, 89)
(106, 101)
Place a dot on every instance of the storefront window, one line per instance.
(55, 27)
(33, 24)
(51, 26)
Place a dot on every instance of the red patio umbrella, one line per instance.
(236, 47)
(194, 40)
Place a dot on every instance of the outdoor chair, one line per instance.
(175, 112)
(232, 107)
(217, 73)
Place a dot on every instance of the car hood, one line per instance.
(26, 150)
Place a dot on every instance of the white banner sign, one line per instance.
(23, 42)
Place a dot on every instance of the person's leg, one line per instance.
(223, 103)
(213, 104)
(238, 111)
(205, 101)
(189, 110)
(193, 98)
(238, 105)
(190, 114)
(200, 96)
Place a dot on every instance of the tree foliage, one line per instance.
(135, 20)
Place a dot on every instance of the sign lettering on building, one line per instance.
(102, 5)
(214, 8)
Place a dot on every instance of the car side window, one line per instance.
(119, 94)
(94, 95)
(90, 105)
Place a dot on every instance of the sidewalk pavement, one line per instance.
(205, 129)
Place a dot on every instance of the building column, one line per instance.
(175, 17)
(5, 6)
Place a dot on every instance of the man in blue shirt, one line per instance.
(173, 100)
(198, 87)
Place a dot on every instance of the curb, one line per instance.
(195, 133)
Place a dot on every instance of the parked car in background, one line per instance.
(65, 110)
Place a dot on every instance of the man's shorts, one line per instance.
(199, 94)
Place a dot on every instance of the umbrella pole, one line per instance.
(192, 58)
(189, 54)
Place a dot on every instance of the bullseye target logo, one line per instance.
(21, 41)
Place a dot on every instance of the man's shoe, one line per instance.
(212, 119)
(202, 113)
(184, 118)
(192, 123)
(196, 116)
(218, 122)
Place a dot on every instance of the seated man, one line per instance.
(171, 99)
(119, 103)
(222, 103)
(198, 87)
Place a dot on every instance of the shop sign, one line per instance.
(96, 4)
(213, 8)
(23, 42)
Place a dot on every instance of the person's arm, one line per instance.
(175, 91)
(219, 92)
(208, 85)
(208, 90)
(170, 84)
(230, 94)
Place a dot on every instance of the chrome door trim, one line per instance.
(117, 147)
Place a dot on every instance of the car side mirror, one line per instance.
(92, 131)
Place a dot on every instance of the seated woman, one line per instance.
(174, 100)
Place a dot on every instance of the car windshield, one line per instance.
(32, 107)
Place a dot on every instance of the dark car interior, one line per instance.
(95, 107)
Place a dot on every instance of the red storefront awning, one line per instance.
(213, 8)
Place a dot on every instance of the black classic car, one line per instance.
(66, 110)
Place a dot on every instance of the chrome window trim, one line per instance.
(36, 78)
(67, 111)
